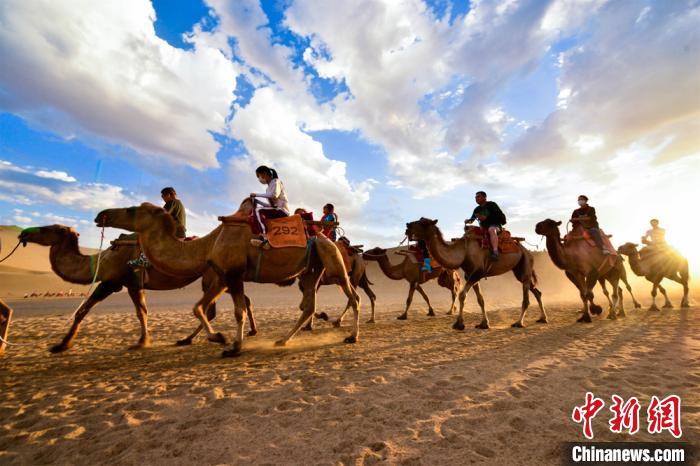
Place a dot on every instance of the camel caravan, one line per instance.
(262, 243)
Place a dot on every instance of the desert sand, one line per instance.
(409, 392)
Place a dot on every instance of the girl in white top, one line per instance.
(275, 195)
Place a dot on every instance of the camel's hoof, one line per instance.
(483, 325)
(370, 321)
(336, 324)
(612, 316)
(140, 345)
(586, 319)
(668, 306)
(595, 309)
(322, 316)
(431, 313)
(280, 343)
(654, 308)
(685, 305)
(402, 317)
(308, 328)
(60, 348)
(231, 353)
(450, 313)
(459, 325)
(218, 337)
(184, 342)
(621, 314)
(637, 306)
(542, 320)
(351, 339)
(252, 333)
(517, 325)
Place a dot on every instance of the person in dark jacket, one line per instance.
(491, 218)
(174, 207)
(586, 217)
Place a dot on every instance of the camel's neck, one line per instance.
(395, 272)
(556, 251)
(174, 256)
(450, 255)
(637, 265)
(69, 263)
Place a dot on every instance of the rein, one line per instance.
(12, 252)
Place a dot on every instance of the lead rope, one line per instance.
(12, 252)
(87, 295)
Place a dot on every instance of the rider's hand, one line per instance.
(469, 221)
(252, 194)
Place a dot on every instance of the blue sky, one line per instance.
(390, 110)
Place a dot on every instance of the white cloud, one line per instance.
(98, 69)
(56, 175)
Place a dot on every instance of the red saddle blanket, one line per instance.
(580, 233)
(286, 232)
(506, 243)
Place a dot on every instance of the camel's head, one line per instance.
(373, 254)
(48, 235)
(420, 229)
(137, 219)
(628, 249)
(548, 227)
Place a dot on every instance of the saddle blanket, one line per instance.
(286, 232)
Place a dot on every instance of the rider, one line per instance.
(329, 215)
(586, 217)
(174, 207)
(656, 236)
(491, 218)
(277, 205)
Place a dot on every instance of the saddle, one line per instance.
(582, 233)
(283, 232)
(415, 254)
(507, 243)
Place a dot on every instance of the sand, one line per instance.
(409, 392)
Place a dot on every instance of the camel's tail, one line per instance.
(365, 278)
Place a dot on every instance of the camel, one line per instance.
(584, 265)
(411, 272)
(5, 318)
(229, 252)
(358, 279)
(657, 265)
(623, 279)
(114, 273)
(466, 253)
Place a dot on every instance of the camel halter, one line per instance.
(12, 252)
(96, 269)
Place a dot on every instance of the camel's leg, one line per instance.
(235, 287)
(520, 323)
(538, 296)
(211, 315)
(103, 290)
(637, 304)
(370, 294)
(454, 290)
(354, 301)
(683, 277)
(210, 296)
(459, 323)
(309, 282)
(653, 306)
(606, 293)
(251, 318)
(411, 290)
(5, 319)
(138, 296)
(667, 302)
(431, 311)
(480, 299)
(612, 313)
(339, 320)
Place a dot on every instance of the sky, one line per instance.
(391, 110)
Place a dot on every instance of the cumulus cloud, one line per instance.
(98, 69)
(23, 186)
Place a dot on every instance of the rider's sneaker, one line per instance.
(494, 256)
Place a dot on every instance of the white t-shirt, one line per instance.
(275, 193)
(656, 235)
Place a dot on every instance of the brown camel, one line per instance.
(5, 319)
(229, 252)
(657, 265)
(468, 254)
(358, 279)
(584, 265)
(114, 273)
(411, 272)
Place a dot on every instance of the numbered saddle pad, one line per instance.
(286, 232)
